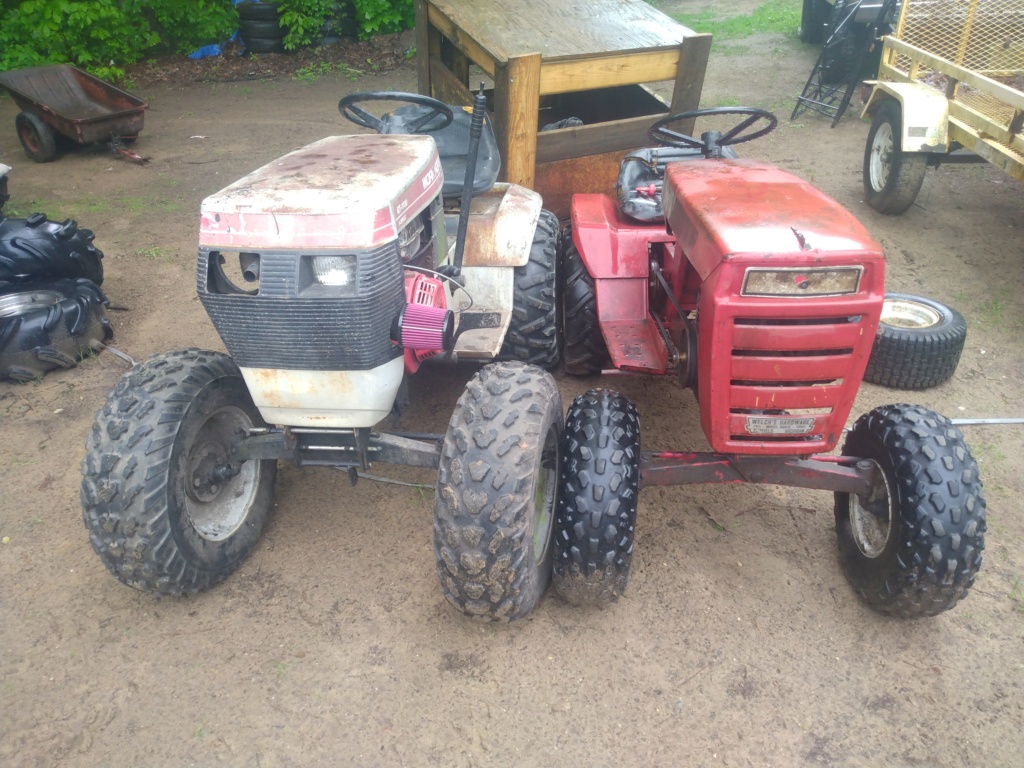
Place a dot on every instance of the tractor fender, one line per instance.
(501, 226)
(925, 123)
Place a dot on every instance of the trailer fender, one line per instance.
(925, 114)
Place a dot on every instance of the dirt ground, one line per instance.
(739, 642)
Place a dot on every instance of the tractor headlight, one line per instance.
(410, 239)
(335, 270)
(793, 282)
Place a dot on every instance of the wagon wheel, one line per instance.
(36, 137)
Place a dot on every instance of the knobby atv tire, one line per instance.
(844, 49)
(912, 547)
(892, 177)
(157, 515)
(37, 138)
(917, 348)
(36, 249)
(597, 498)
(533, 336)
(496, 486)
(49, 325)
(585, 348)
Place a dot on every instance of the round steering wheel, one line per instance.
(347, 107)
(661, 134)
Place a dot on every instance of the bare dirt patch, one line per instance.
(738, 643)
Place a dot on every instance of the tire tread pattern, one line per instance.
(585, 349)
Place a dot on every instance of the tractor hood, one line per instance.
(342, 192)
(730, 209)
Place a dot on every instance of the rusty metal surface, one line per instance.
(501, 226)
(75, 103)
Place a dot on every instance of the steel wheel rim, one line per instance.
(15, 304)
(881, 154)
(545, 496)
(905, 313)
(871, 519)
(218, 509)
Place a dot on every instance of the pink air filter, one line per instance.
(427, 328)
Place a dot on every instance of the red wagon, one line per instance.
(62, 99)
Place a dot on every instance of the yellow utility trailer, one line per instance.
(950, 88)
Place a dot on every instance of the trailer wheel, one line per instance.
(918, 345)
(812, 21)
(167, 510)
(912, 547)
(44, 326)
(892, 177)
(496, 487)
(597, 499)
(533, 335)
(36, 137)
(36, 248)
(585, 348)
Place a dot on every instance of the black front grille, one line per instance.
(294, 324)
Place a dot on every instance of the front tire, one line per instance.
(892, 177)
(918, 345)
(597, 500)
(496, 490)
(159, 515)
(533, 335)
(913, 546)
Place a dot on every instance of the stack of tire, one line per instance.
(52, 311)
(260, 27)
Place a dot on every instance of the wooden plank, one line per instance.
(600, 138)
(607, 71)
(561, 30)
(485, 59)
(693, 62)
(423, 31)
(456, 61)
(558, 181)
(516, 103)
(446, 85)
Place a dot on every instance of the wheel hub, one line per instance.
(902, 313)
(871, 517)
(881, 157)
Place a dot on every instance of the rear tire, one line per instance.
(50, 325)
(36, 137)
(158, 515)
(892, 177)
(496, 489)
(913, 547)
(533, 335)
(812, 21)
(597, 499)
(585, 349)
(36, 248)
(918, 345)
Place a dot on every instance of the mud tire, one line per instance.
(50, 325)
(922, 350)
(36, 248)
(585, 349)
(913, 548)
(496, 487)
(533, 336)
(172, 417)
(597, 498)
(37, 138)
(892, 177)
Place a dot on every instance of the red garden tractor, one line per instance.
(332, 274)
(764, 296)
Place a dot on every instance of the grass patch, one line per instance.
(322, 69)
(781, 17)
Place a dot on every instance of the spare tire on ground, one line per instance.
(36, 249)
(50, 325)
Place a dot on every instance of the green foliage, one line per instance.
(377, 17)
(303, 20)
(183, 27)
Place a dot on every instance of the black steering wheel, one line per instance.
(710, 140)
(347, 107)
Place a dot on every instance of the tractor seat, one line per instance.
(641, 176)
(453, 148)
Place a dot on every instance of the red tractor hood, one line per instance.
(729, 209)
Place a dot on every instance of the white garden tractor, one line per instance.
(331, 274)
